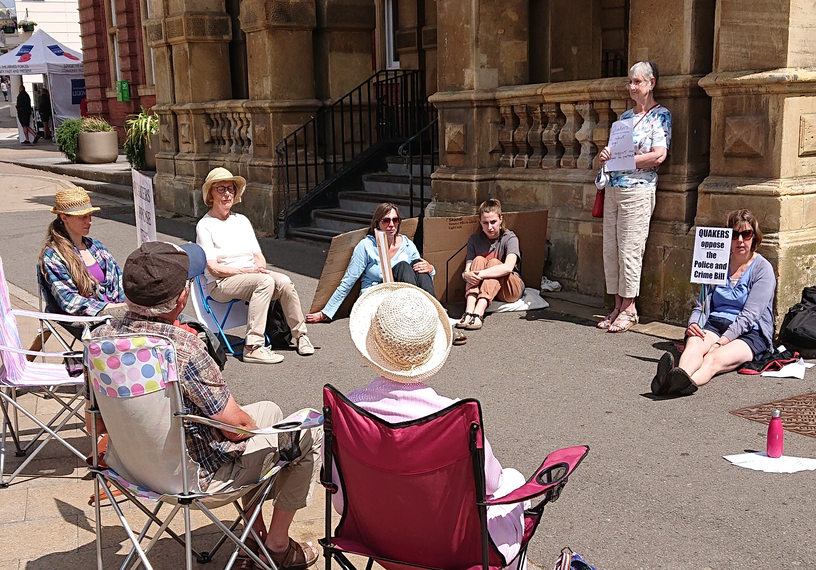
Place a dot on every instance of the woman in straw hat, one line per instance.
(404, 334)
(236, 268)
(83, 276)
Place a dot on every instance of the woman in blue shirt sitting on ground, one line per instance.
(406, 264)
(730, 326)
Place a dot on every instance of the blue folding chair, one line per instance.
(216, 316)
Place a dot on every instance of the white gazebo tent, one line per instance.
(62, 66)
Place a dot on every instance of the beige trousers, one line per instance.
(292, 489)
(260, 289)
(508, 288)
(626, 216)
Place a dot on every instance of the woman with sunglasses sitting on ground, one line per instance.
(406, 264)
(492, 266)
(83, 276)
(729, 326)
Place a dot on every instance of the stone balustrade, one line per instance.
(558, 125)
(229, 125)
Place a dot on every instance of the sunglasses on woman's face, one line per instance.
(387, 221)
(744, 234)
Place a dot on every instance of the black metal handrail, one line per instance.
(425, 145)
(389, 106)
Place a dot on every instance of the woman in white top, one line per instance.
(236, 268)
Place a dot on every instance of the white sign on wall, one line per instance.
(712, 250)
(145, 210)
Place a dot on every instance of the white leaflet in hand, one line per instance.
(300, 420)
(621, 146)
(382, 251)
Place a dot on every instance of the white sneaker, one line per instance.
(262, 355)
(304, 346)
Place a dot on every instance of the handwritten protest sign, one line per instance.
(621, 146)
(712, 249)
(145, 210)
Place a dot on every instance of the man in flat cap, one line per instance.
(156, 283)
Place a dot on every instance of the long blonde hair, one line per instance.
(57, 239)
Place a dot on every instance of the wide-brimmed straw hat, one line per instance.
(221, 175)
(73, 201)
(403, 333)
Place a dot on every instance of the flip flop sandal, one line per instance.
(463, 322)
(459, 338)
(607, 322)
(297, 556)
(660, 383)
(681, 382)
(627, 320)
(472, 324)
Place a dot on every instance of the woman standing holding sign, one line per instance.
(732, 325)
(630, 197)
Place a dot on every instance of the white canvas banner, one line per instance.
(67, 91)
(145, 209)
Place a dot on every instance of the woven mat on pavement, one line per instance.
(798, 413)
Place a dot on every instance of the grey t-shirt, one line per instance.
(507, 242)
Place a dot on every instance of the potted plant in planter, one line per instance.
(142, 140)
(90, 140)
(9, 27)
(27, 25)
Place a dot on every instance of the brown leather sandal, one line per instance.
(297, 556)
(243, 561)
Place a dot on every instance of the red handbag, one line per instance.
(597, 209)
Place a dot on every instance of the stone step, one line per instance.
(393, 185)
(396, 165)
(339, 220)
(367, 202)
(311, 235)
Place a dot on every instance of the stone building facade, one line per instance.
(526, 91)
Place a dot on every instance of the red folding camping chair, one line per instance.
(414, 491)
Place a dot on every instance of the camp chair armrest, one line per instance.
(59, 318)
(72, 354)
(551, 474)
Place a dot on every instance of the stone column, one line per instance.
(342, 41)
(190, 39)
(683, 53)
(481, 46)
(763, 134)
(281, 92)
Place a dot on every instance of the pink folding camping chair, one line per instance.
(414, 491)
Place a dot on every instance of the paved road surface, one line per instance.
(654, 491)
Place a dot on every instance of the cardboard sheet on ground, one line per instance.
(337, 261)
(445, 244)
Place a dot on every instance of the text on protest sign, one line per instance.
(621, 146)
(712, 250)
(145, 210)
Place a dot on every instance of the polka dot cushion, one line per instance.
(124, 367)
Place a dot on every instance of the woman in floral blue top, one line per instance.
(81, 274)
(630, 198)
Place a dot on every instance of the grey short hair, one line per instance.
(156, 310)
(645, 69)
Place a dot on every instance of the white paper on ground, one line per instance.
(792, 370)
(760, 461)
(530, 301)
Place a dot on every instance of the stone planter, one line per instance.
(96, 148)
(151, 148)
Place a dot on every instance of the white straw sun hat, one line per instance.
(222, 175)
(403, 333)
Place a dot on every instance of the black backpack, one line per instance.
(799, 327)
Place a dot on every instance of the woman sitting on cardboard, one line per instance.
(493, 266)
(406, 264)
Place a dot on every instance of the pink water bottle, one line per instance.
(775, 435)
